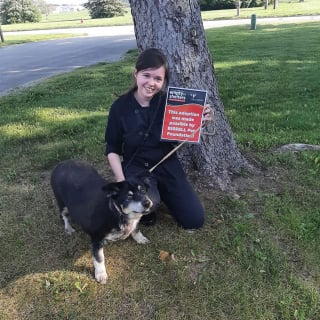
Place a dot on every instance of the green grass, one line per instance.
(20, 39)
(80, 19)
(73, 20)
(284, 9)
(273, 77)
(257, 257)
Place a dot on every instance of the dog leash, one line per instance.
(175, 148)
(170, 152)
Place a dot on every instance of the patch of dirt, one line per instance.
(271, 180)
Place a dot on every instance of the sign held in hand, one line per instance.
(183, 114)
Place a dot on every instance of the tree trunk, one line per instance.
(275, 4)
(175, 27)
(238, 6)
(1, 34)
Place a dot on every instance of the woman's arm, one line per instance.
(115, 164)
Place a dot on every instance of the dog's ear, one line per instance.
(113, 189)
(147, 182)
(142, 177)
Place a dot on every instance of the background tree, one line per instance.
(176, 28)
(104, 8)
(43, 6)
(19, 11)
(227, 4)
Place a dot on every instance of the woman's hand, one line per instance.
(207, 115)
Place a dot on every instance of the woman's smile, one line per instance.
(149, 82)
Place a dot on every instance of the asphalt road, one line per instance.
(23, 65)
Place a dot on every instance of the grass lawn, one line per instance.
(285, 8)
(257, 257)
(20, 39)
(82, 18)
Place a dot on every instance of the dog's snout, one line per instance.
(147, 203)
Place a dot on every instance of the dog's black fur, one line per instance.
(105, 211)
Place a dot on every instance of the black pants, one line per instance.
(168, 183)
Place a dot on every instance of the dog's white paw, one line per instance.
(67, 226)
(101, 277)
(143, 240)
(140, 238)
(69, 230)
(100, 272)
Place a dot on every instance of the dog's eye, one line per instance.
(130, 194)
(142, 190)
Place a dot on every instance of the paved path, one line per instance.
(129, 30)
(22, 65)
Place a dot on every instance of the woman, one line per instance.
(133, 133)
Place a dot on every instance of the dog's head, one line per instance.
(130, 196)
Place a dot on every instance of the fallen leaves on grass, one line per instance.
(165, 256)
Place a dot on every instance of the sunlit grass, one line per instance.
(20, 39)
(83, 20)
(70, 20)
(284, 9)
(257, 83)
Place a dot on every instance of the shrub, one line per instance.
(19, 11)
(228, 4)
(104, 8)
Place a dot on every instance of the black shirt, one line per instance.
(134, 131)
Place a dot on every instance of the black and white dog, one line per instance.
(105, 211)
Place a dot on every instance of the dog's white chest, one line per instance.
(124, 232)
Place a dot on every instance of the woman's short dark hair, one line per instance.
(153, 58)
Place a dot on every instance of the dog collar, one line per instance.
(113, 204)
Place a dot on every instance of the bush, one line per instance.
(19, 11)
(228, 4)
(104, 8)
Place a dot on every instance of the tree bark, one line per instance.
(1, 34)
(175, 27)
(238, 6)
(275, 4)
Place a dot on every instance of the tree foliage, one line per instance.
(104, 8)
(228, 4)
(42, 6)
(19, 11)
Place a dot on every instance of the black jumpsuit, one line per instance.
(134, 132)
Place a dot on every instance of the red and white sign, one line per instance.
(183, 115)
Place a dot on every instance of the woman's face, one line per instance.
(149, 82)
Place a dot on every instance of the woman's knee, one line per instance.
(192, 221)
(189, 214)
